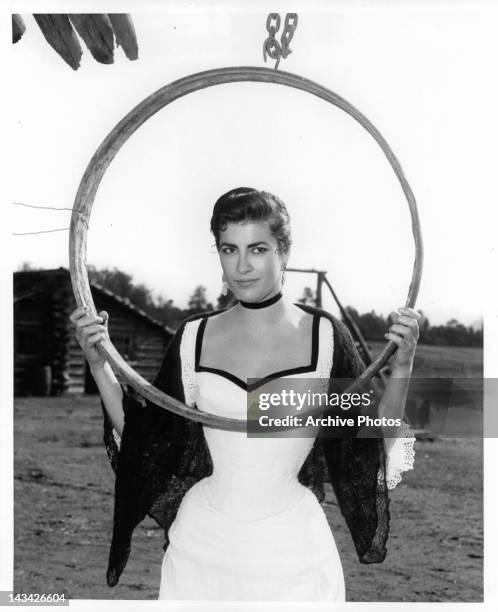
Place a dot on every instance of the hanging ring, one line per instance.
(112, 144)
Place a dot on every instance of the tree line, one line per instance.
(372, 325)
(160, 308)
(453, 333)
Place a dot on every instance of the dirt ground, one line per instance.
(64, 503)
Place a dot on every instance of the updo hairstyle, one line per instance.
(244, 204)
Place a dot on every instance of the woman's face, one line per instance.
(252, 266)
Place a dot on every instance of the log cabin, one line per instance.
(47, 357)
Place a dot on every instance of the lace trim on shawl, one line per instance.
(401, 456)
(117, 438)
(187, 357)
(325, 356)
(313, 471)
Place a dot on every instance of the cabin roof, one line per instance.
(96, 288)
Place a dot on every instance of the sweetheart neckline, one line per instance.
(260, 381)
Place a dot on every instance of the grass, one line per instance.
(443, 361)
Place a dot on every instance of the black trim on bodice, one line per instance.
(261, 381)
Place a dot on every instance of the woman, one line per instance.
(240, 518)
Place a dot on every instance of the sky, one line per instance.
(403, 67)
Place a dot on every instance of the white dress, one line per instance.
(251, 531)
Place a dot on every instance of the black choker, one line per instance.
(263, 304)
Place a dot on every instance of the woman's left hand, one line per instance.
(404, 332)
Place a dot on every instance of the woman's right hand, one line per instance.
(90, 330)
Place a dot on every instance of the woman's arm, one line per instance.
(392, 403)
(112, 395)
(89, 331)
(404, 332)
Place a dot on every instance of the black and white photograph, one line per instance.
(248, 304)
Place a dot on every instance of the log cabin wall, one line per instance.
(32, 331)
(139, 340)
(63, 340)
(44, 336)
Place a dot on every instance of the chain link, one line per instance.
(288, 33)
(271, 47)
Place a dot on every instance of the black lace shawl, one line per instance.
(162, 455)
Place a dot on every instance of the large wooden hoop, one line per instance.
(119, 135)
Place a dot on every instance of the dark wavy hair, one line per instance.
(245, 204)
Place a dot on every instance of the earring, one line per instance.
(224, 288)
(283, 275)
